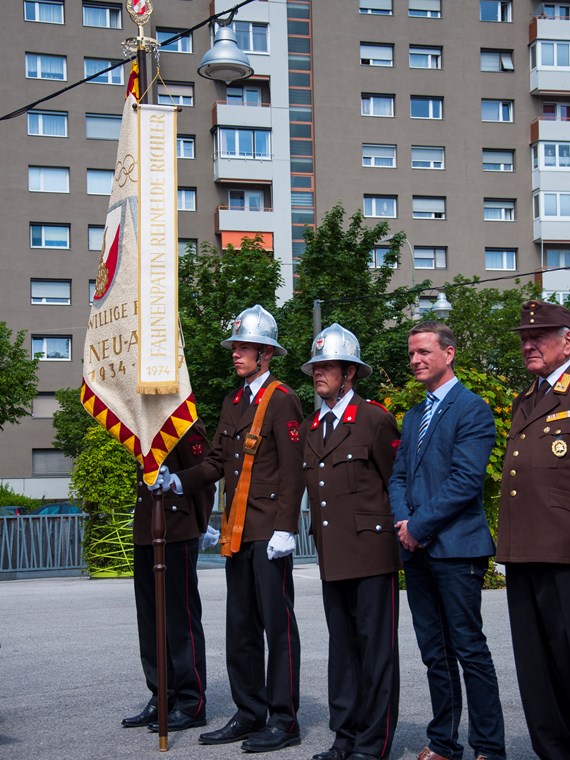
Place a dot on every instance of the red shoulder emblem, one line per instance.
(376, 403)
(350, 413)
(293, 428)
(315, 422)
(196, 443)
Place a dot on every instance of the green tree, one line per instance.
(214, 289)
(71, 422)
(18, 377)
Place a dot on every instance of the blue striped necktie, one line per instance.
(424, 424)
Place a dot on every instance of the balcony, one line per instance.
(550, 81)
(548, 28)
(242, 169)
(243, 220)
(244, 115)
(550, 129)
(553, 230)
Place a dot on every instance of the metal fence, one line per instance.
(44, 545)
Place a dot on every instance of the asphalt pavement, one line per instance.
(70, 671)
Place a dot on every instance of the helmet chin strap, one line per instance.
(342, 389)
(257, 370)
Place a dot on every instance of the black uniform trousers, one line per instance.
(539, 611)
(363, 669)
(186, 652)
(260, 598)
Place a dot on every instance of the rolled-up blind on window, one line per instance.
(431, 205)
(377, 5)
(425, 5)
(498, 156)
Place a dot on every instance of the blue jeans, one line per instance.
(445, 601)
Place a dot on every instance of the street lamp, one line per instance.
(442, 307)
(225, 61)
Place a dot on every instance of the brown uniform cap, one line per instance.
(543, 315)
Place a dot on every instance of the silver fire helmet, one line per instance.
(334, 343)
(255, 325)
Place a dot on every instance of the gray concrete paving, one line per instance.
(69, 671)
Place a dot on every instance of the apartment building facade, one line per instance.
(448, 118)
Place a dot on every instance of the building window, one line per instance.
(244, 143)
(377, 7)
(102, 15)
(497, 110)
(426, 108)
(497, 60)
(186, 246)
(44, 11)
(102, 126)
(251, 37)
(496, 10)
(555, 155)
(556, 204)
(45, 405)
(380, 206)
(424, 8)
(426, 157)
(379, 156)
(376, 55)
(556, 10)
(99, 181)
(92, 66)
(428, 207)
(245, 200)
(553, 111)
(172, 94)
(377, 105)
(52, 462)
(243, 96)
(425, 57)
(378, 255)
(95, 233)
(92, 284)
(47, 123)
(557, 257)
(181, 45)
(185, 146)
(550, 55)
(49, 236)
(52, 348)
(39, 66)
(50, 292)
(501, 259)
(498, 210)
(186, 199)
(498, 160)
(430, 258)
(48, 179)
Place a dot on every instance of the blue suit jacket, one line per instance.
(439, 489)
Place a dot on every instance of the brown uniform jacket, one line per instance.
(347, 481)
(534, 515)
(277, 476)
(186, 516)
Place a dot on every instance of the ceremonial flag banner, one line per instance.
(135, 380)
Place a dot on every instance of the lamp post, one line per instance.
(442, 307)
(415, 312)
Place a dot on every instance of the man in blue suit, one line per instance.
(436, 495)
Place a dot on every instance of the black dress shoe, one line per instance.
(179, 721)
(360, 756)
(233, 731)
(144, 718)
(334, 753)
(270, 739)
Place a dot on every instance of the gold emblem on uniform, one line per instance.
(559, 448)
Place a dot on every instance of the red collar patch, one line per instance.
(350, 413)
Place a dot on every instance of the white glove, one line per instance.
(281, 544)
(209, 538)
(164, 480)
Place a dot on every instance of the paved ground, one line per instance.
(69, 671)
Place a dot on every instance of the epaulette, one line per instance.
(530, 390)
(376, 403)
(562, 384)
(261, 391)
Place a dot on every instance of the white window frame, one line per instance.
(502, 165)
(50, 292)
(376, 54)
(111, 17)
(427, 163)
(424, 8)
(507, 265)
(182, 45)
(245, 32)
(45, 237)
(561, 162)
(372, 206)
(504, 13)
(505, 111)
(96, 178)
(243, 95)
(186, 198)
(185, 147)
(44, 348)
(98, 120)
(563, 257)
(560, 55)
(253, 200)
(554, 200)
(367, 104)
(492, 61)
(377, 256)
(241, 136)
(379, 156)
(430, 257)
(41, 118)
(34, 9)
(114, 77)
(39, 61)
(561, 112)
(560, 11)
(506, 208)
(95, 235)
(432, 101)
(376, 7)
(43, 175)
(175, 95)
(433, 57)
(429, 207)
